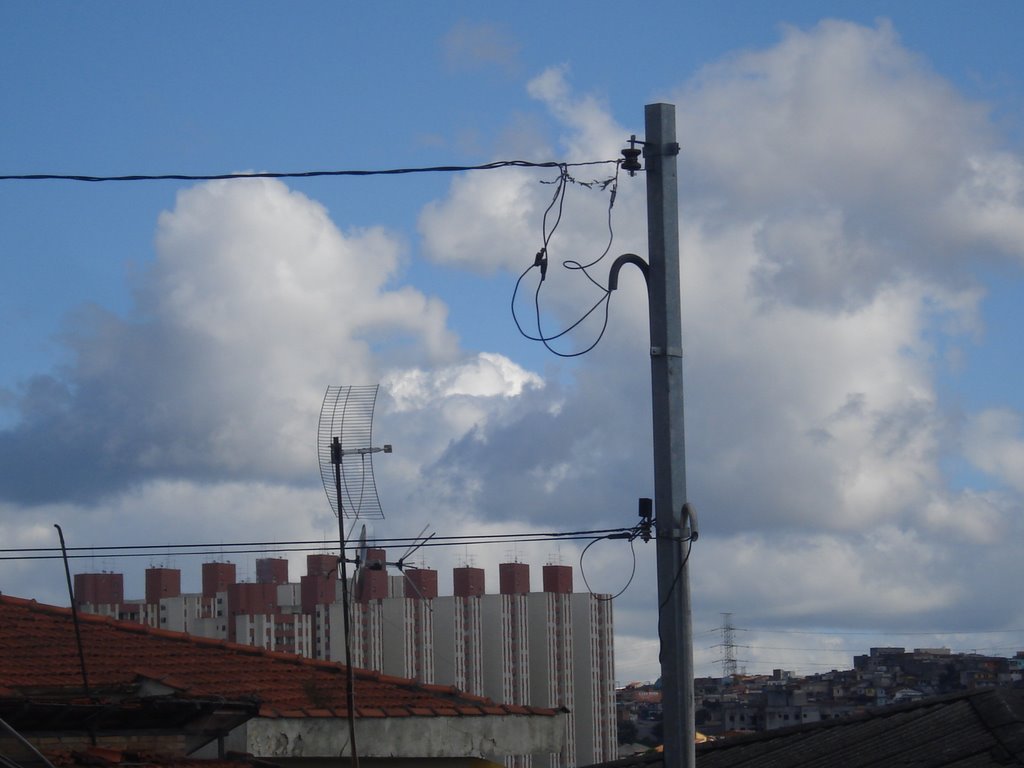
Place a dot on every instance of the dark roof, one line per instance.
(200, 719)
(984, 727)
(39, 663)
(99, 757)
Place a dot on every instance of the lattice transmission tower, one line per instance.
(729, 668)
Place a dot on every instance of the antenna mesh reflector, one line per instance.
(347, 414)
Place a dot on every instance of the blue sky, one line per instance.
(852, 227)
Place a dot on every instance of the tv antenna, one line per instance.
(346, 429)
(363, 563)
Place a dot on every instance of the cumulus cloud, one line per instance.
(197, 411)
(821, 261)
(858, 163)
(836, 196)
(496, 221)
(481, 224)
(826, 419)
(994, 444)
(829, 578)
(255, 302)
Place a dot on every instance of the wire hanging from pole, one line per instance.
(555, 210)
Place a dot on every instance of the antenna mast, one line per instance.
(346, 425)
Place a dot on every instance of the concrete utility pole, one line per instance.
(674, 628)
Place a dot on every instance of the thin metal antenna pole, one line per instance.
(350, 690)
(674, 622)
(78, 629)
(25, 743)
(74, 613)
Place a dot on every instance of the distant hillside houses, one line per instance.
(884, 676)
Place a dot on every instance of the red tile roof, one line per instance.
(39, 658)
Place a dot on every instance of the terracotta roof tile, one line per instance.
(38, 653)
(434, 687)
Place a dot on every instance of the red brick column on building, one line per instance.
(421, 583)
(99, 588)
(467, 581)
(217, 577)
(558, 578)
(161, 583)
(514, 578)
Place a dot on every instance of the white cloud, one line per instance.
(859, 162)
(481, 226)
(497, 220)
(254, 304)
(429, 408)
(819, 268)
(824, 418)
(993, 443)
(988, 205)
(982, 518)
(590, 132)
(836, 196)
(487, 375)
(826, 578)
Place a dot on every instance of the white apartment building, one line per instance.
(552, 648)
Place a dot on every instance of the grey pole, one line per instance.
(674, 627)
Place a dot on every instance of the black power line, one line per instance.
(301, 174)
(267, 547)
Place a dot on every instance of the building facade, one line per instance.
(551, 648)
